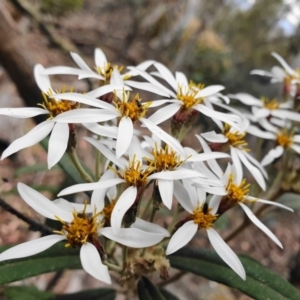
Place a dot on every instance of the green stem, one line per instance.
(113, 267)
(84, 175)
(154, 210)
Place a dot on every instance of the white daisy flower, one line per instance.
(185, 97)
(235, 139)
(264, 107)
(202, 216)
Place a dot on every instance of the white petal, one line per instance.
(225, 252)
(42, 81)
(181, 237)
(208, 156)
(182, 80)
(296, 138)
(133, 237)
(214, 203)
(295, 148)
(175, 175)
(260, 225)
(237, 166)
(164, 113)
(23, 112)
(149, 227)
(86, 115)
(80, 62)
(251, 199)
(116, 77)
(31, 138)
(257, 164)
(166, 192)
(166, 73)
(214, 137)
(261, 73)
(210, 90)
(125, 201)
(258, 132)
(260, 112)
(247, 99)
(71, 206)
(125, 133)
(146, 86)
(283, 63)
(100, 58)
(62, 70)
(168, 139)
(183, 197)
(43, 205)
(82, 187)
(273, 154)
(58, 143)
(256, 173)
(31, 247)
(101, 130)
(283, 114)
(92, 264)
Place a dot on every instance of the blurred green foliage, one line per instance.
(61, 7)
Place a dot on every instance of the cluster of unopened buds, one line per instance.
(143, 172)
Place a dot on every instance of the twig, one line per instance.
(34, 226)
(52, 283)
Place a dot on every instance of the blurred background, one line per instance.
(212, 41)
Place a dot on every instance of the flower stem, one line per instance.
(112, 266)
(84, 175)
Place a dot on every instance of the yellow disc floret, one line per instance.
(134, 109)
(203, 218)
(189, 98)
(236, 193)
(270, 104)
(57, 106)
(235, 138)
(107, 70)
(284, 138)
(107, 210)
(82, 229)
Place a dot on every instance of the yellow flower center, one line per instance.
(82, 229)
(203, 218)
(57, 106)
(107, 210)
(189, 99)
(164, 159)
(284, 139)
(236, 138)
(134, 109)
(107, 70)
(270, 104)
(236, 193)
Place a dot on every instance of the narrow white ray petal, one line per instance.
(176, 174)
(101, 130)
(192, 192)
(34, 136)
(214, 203)
(133, 237)
(62, 70)
(43, 205)
(120, 162)
(283, 114)
(168, 139)
(164, 113)
(99, 58)
(23, 112)
(147, 86)
(68, 206)
(86, 115)
(183, 197)
(261, 73)
(260, 225)
(210, 90)
(87, 74)
(125, 134)
(135, 150)
(214, 137)
(85, 99)
(246, 99)
(237, 166)
(80, 62)
(262, 134)
(277, 72)
(283, 63)
(212, 163)
(271, 155)
(123, 204)
(156, 103)
(82, 187)
(225, 252)
(167, 74)
(149, 227)
(181, 237)
(253, 199)
(260, 112)
(43, 81)
(31, 247)
(109, 88)
(182, 80)
(296, 138)
(296, 148)
(166, 192)
(208, 156)
(116, 77)
(92, 264)
(267, 125)
(254, 171)
(58, 143)
(217, 190)
(152, 80)
(256, 163)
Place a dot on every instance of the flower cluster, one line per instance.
(146, 167)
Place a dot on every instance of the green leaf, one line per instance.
(168, 295)
(291, 200)
(148, 291)
(67, 165)
(96, 294)
(54, 259)
(261, 283)
(32, 169)
(26, 293)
